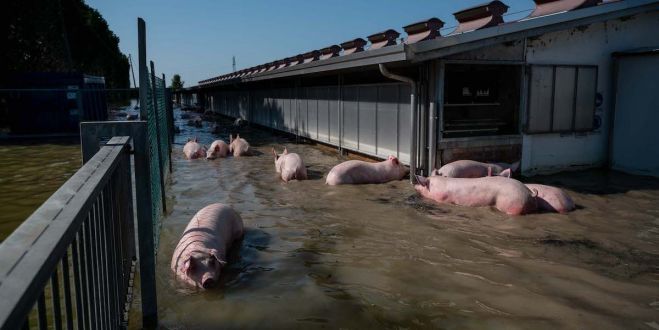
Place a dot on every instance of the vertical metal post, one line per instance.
(143, 194)
(440, 108)
(340, 110)
(432, 136)
(156, 118)
(170, 120)
(141, 49)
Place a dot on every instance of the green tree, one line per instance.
(176, 82)
(60, 36)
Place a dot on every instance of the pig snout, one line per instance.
(208, 281)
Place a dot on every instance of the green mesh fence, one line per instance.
(159, 157)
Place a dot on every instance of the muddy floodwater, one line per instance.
(376, 256)
(29, 174)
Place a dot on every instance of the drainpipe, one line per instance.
(413, 125)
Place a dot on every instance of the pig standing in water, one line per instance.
(358, 172)
(474, 169)
(290, 166)
(238, 146)
(552, 199)
(218, 148)
(201, 252)
(193, 150)
(507, 195)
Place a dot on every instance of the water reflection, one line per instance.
(378, 256)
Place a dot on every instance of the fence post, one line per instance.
(169, 113)
(156, 118)
(145, 222)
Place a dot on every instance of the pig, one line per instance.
(506, 195)
(474, 169)
(217, 149)
(201, 252)
(195, 121)
(238, 146)
(239, 122)
(193, 149)
(216, 129)
(360, 172)
(552, 199)
(290, 166)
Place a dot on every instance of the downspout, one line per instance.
(413, 116)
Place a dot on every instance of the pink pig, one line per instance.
(552, 199)
(201, 252)
(238, 146)
(217, 149)
(474, 169)
(360, 172)
(507, 195)
(290, 166)
(193, 149)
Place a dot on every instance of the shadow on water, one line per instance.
(599, 181)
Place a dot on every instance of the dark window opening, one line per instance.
(481, 100)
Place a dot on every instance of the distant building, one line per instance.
(573, 85)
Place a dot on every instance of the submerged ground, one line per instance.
(376, 255)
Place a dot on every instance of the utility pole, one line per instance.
(234, 63)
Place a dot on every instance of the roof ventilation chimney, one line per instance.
(295, 60)
(547, 7)
(480, 17)
(282, 63)
(424, 30)
(311, 56)
(329, 52)
(353, 46)
(383, 39)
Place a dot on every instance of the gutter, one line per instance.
(413, 115)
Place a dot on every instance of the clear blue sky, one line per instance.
(198, 38)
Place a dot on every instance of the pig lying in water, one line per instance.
(201, 252)
(238, 146)
(474, 169)
(290, 166)
(552, 199)
(193, 150)
(507, 195)
(360, 172)
(217, 149)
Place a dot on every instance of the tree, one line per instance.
(176, 82)
(60, 36)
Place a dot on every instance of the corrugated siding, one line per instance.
(373, 119)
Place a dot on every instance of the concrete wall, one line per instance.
(587, 45)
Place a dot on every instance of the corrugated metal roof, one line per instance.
(385, 50)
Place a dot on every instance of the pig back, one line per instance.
(215, 226)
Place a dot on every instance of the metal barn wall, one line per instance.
(589, 45)
(372, 119)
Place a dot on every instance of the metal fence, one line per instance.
(373, 119)
(71, 262)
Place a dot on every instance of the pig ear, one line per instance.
(217, 147)
(435, 172)
(237, 136)
(505, 173)
(514, 166)
(423, 181)
(188, 266)
(274, 153)
(214, 254)
(285, 151)
(393, 159)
